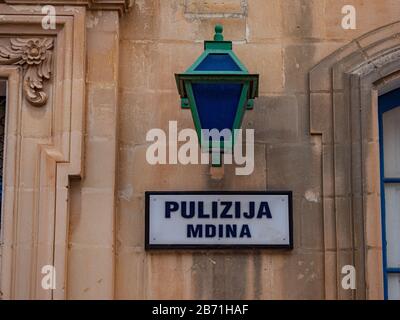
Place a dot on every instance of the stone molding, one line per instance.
(344, 90)
(34, 55)
(119, 5)
(44, 146)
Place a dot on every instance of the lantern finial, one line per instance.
(219, 29)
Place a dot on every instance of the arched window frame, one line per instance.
(344, 90)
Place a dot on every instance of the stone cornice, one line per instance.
(120, 5)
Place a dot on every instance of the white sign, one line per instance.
(218, 220)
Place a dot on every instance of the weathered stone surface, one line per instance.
(309, 212)
(300, 58)
(215, 7)
(179, 20)
(316, 132)
(307, 276)
(370, 16)
(267, 60)
(301, 18)
(321, 115)
(264, 20)
(292, 167)
(275, 119)
(92, 284)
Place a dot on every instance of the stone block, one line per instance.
(294, 166)
(89, 268)
(215, 6)
(342, 165)
(321, 115)
(373, 229)
(307, 277)
(372, 166)
(142, 112)
(221, 275)
(329, 216)
(264, 20)
(369, 17)
(341, 118)
(308, 210)
(107, 21)
(179, 20)
(131, 219)
(301, 18)
(164, 276)
(374, 264)
(101, 155)
(130, 280)
(235, 28)
(266, 60)
(136, 171)
(299, 60)
(345, 258)
(344, 223)
(102, 66)
(142, 21)
(256, 180)
(102, 111)
(328, 173)
(274, 119)
(92, 217)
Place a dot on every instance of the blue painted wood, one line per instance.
(393, 270)
(391, 180)
(387, 102)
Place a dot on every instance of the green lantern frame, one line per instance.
(249, 82)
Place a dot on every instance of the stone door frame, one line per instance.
(44, 139)
(344, 90)
(43, 145)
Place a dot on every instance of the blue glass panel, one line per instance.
(218, 62)
(389, 100)
(217, 104)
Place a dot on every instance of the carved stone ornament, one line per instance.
(34, 55)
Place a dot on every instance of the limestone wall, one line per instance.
(112, 80)
(279, 39)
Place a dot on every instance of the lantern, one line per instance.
(218, 89)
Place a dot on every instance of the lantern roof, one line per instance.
(218, 63)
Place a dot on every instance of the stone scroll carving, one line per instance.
(34, 55)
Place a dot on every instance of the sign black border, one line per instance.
(149, 246)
